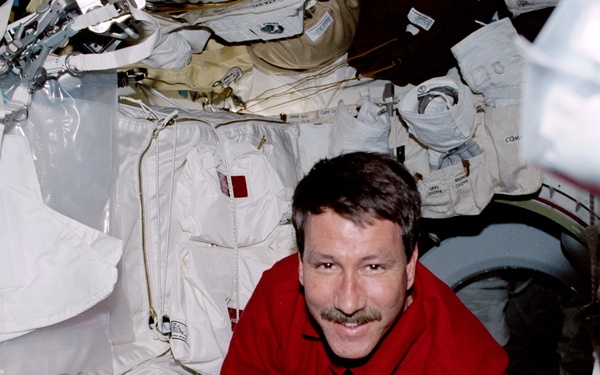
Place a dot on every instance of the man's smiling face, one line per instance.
(355, 280)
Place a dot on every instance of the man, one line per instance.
(355, 300)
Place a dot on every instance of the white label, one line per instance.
(318, 29)
(179, 331)
(322, 116)
(420, 19)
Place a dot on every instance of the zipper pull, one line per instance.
(167, 121)
(152, 318)
(262, 141)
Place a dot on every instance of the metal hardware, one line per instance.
(29, 43)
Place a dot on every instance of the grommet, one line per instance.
(498, 68)
(71, 69)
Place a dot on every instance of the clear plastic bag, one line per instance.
(69, 126)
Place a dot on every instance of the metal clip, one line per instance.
(388, 97)
(230, 77)
(131, 76)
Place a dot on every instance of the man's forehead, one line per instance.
(332, 234)
(362, 221)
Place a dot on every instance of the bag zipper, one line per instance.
(159, 323)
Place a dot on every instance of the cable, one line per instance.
(296, 85)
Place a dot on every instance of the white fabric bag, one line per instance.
(368, 131)
(165, 269)
(313, 144)
(459, 189)
(202, 324)
(203, 198)
(176, 44)
(511, 173)
(53, 267)
(491, 63)
(441, 114)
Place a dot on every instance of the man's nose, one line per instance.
(350, 296)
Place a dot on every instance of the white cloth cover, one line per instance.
(368, 131)
(176, 43)
(196, 38)
(172, 51)
(271, 94)
(78, 345)
(53, 267)
(491, 63)
(444, 124)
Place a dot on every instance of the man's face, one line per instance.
(355, 280)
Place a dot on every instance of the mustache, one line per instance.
(359, 317)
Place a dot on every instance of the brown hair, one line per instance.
(360, 187)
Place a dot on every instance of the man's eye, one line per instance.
(326, 266)
(374, 267)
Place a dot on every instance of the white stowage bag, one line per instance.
(511, 173)
(443, 123)
(491, 63)
(202, 322)
(464, 188)
(191, 250)
(203, 198)
(368, 131)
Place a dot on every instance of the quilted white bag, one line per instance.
(183, 175)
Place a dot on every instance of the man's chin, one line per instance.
(350, 342)
(350, 354)
(351, 350)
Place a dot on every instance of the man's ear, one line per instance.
(411, 266)
(300, 270)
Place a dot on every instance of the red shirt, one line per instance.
(436, 334)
